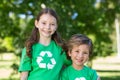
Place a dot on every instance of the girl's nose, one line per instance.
(48, 26)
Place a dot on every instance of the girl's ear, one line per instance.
(36, 23)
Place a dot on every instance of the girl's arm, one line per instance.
(24, 75)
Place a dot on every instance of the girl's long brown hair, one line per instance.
(34, 37)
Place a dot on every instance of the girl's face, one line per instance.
(46, 25)
(79, 55)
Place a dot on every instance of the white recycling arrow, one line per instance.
(81, 78)
(50, 66)
(42, 65)
(53, 61)
(39, 59)
(42, 53)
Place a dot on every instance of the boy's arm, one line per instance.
(98, 78)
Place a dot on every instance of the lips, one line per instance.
(46, 32)
(79, 60)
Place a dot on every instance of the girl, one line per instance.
(43, 57)
(79, 51)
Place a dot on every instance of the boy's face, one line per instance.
(79, 55)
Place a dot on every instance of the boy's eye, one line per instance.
(52, 24)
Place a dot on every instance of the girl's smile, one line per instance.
(46, 25)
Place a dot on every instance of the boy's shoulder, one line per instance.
(88, 69)
(84, 68)
(67, 68)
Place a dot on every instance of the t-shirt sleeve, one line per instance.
(94, 75)
(25, 63)
(64, 75)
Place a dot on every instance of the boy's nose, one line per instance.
(80, 55)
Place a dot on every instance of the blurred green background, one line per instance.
(95, 18)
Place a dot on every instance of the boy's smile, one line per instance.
(79, 55)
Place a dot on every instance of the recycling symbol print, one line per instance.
(81, 78)
(49, 65)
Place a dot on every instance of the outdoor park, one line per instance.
(98, 19)
(107, 67)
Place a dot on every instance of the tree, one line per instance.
(90, 17)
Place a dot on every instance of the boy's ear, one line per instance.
(69, 53)
(36, 23)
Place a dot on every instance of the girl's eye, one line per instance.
(85, 53)
(43, 23)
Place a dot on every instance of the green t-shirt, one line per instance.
(46, 62)
(86, 73)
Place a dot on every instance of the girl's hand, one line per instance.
(24, 75)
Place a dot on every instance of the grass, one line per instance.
(108, 68)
